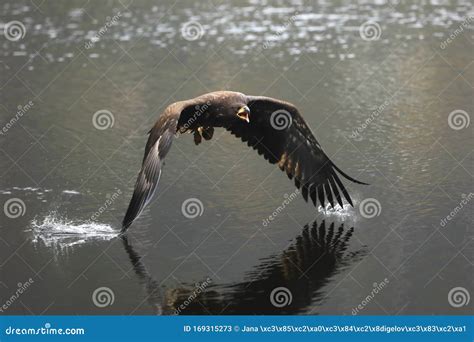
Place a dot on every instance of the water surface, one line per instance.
(379, 106)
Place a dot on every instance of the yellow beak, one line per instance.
(244, 113)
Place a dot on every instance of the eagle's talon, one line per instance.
(207, 133)
(197, 137)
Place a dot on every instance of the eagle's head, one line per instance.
(243, 113)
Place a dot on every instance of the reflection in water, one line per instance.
(303, 268)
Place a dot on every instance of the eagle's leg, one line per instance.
(207, 132)
(197, 136)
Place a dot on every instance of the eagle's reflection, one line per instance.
(285, 283)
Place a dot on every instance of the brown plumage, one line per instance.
(273, 127)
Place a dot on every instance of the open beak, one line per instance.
(244, 113)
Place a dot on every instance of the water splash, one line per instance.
(56, 231)
(337, 211)
(71, 192)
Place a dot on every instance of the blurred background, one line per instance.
(386, 87)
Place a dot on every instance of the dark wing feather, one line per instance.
(294, 148)
(158, 145)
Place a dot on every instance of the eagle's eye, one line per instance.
(244, 113)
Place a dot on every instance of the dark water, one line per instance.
(380, 107)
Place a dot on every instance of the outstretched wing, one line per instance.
(158, 145)
(279, 133)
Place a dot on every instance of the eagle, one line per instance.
(274, 128)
